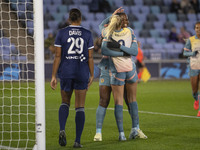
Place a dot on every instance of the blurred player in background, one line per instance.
(192, 51)
(118, 108)
(73, 62)
(140, 63)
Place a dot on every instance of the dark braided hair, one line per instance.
(74, 15)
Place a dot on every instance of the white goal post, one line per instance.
(22, 76)
(39, 75)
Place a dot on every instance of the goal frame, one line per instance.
(39, 75)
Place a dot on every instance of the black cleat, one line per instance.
(77, 145)
(62, 138)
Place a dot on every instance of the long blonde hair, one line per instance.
(115, 23)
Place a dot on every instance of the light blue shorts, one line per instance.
(104, 78)
(193, 73)
(120, 78)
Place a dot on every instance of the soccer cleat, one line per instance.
(122, 137)
(198, 115)
(62, 138)
(98, 137)
(141, 135)
(137, 133)
(196, 105)
(77, 145)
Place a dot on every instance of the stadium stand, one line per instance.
(150, 19)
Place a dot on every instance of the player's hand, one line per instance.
(119, 10)
(195, 53)
(126, 54)
(113, 44)
(53, 83)
(90, 81)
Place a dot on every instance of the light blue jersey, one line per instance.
(190, 46)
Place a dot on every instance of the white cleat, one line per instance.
(98, 137)
(137, 133)
(122, 136)
(141, 135)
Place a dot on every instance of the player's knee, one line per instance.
(104, 102)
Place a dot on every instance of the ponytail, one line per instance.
(115, 23)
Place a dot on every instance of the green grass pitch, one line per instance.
(166, 116)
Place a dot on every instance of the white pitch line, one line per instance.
(144, 112)
(164, 114)
(10, 148)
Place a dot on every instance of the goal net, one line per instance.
(22, 110)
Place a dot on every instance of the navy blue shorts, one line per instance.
(70, 84)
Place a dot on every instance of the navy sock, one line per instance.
(63, 114)
(80, 121)
(134, 114)
(119, 117)
(195, 96)
(100, 114)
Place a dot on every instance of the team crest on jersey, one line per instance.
(102, 80)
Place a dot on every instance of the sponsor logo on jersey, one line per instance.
(82, 57)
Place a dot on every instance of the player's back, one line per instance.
(74, 42)
(124, 37)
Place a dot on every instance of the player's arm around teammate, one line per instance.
(130, 77)
(192, 51)
(104, 84)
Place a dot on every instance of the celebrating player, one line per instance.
(74, 62)
(104, 81)
(130, 90)
(192, 51)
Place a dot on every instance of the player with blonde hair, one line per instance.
(122, 70)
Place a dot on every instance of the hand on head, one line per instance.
(119, 10)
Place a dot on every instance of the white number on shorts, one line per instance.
(76, 45)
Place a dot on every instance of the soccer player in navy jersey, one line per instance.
(75, 67)
(192, 51)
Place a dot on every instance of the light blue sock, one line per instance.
(100, 114)
(134, 114)
(119, 117)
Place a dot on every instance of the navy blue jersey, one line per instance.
(74, 42)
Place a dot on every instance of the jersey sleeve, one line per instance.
(90, 42)
(187, 49)
(58, 40)
(105, 21)
(107, 52)
(133, 50)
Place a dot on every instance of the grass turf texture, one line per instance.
(164, 131)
